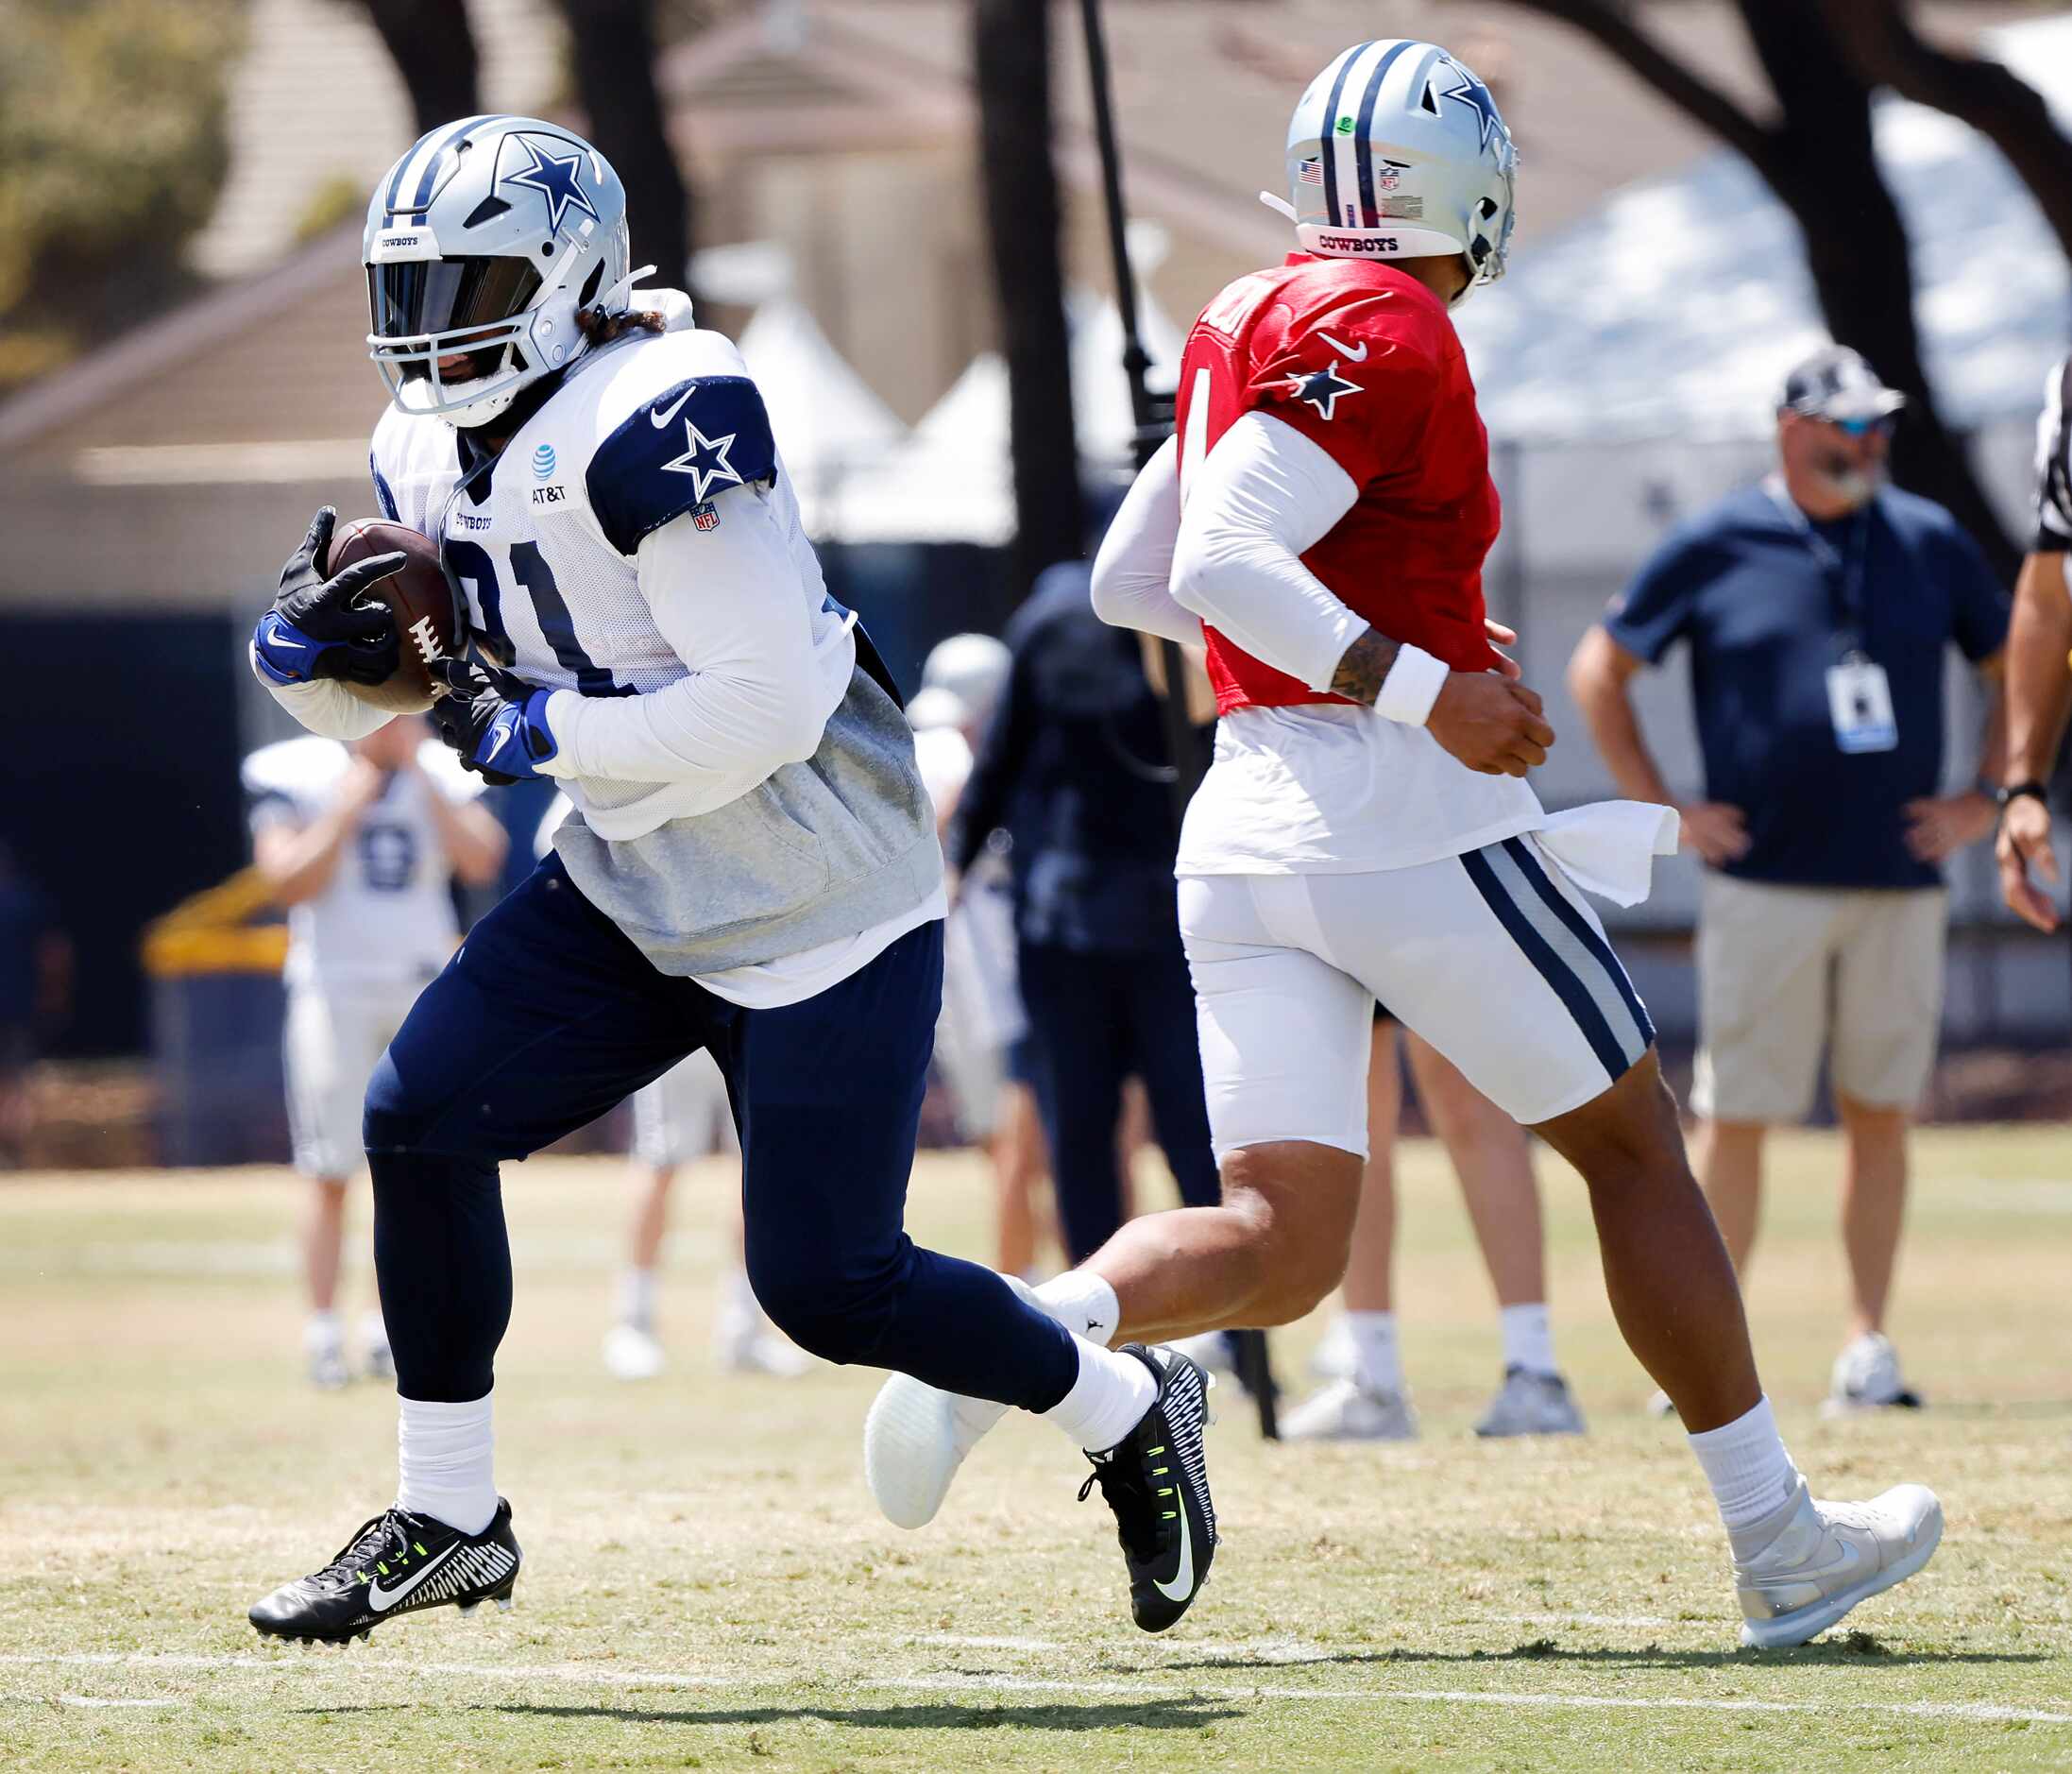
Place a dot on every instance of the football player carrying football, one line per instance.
(1319, 524)
(751, 868)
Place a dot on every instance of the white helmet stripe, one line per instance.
(1369, 213)
(1341, 170)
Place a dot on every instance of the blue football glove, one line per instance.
(495, 720)
(321, 627)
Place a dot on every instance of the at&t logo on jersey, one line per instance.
(543, 464)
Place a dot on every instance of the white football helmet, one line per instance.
(1396, 151)
(486, 238)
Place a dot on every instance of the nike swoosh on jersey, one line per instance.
(380, 1599)
(657, 417)
(1182, 1584)
(1352, 356)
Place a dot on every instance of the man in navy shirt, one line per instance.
(1818, 605)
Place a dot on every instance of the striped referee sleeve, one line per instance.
(2054, 465)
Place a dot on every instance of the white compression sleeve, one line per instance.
(732, 605)
(324, 706)
(1265, 494)
(1133, 572)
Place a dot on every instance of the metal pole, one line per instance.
(1254, 1367)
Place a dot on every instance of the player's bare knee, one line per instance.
(1298, 1212)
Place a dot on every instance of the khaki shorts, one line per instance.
(1783, 971)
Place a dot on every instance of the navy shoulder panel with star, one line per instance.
(695, 438)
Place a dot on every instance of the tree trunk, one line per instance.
(433, 50)
(1012, 54)
(1879, 38)
(1857, 248)
(613, 45)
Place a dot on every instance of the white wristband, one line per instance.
(1411, 687)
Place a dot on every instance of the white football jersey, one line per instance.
(543, 539)
(387, 917)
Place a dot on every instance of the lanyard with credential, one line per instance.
(1844, 571)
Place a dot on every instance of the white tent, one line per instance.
(832, 427)
(949, 481)
(1675, 309)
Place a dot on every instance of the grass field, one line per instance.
(707, 1584)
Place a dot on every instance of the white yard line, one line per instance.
(1174, 1690)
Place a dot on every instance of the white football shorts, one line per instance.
(684, 1114)
(331, 1044)
(1493, 957)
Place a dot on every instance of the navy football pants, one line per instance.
(549, 1016)
(1098, 1018)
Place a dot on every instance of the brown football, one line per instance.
(421, 599)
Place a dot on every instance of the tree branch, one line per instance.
(1879, 37)
(1674, 80)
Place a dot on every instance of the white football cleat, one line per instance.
(1825, 1557)
(915, 1440)
(1530, 1404)
(1346, 1411)
(1866, 1377)
(760, 1349)
(633, 1354)
(1210, 1351)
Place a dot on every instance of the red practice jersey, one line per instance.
(1363, 360)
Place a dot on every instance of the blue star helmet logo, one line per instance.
(1471, 93)
(1323, 389)
(556, 177)
(704, 461)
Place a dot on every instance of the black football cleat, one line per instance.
(395, 1564)
(1156, 1479)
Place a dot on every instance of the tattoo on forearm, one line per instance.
(1366, 663)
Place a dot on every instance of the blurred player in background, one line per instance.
(682, 1117)
(752, 867)
(1319, 523)
(983, 1044)
(2039, 683)
(1073, 769)
(1366, 1397)
(362, 844)
(1819, 607)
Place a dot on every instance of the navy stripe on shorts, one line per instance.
(1566, 950)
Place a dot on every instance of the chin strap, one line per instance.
(1281, 206)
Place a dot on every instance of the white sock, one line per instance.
(1378, 1357)
(1106, 1401)
(1084, 1305)
(637, 1298)
(373, 1333)
(445, 1455)
(323, 1332)
(1528, 1338)
(1751, 1475)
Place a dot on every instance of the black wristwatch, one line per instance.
(2014, 793)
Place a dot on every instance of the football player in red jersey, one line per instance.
(1318, 525)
